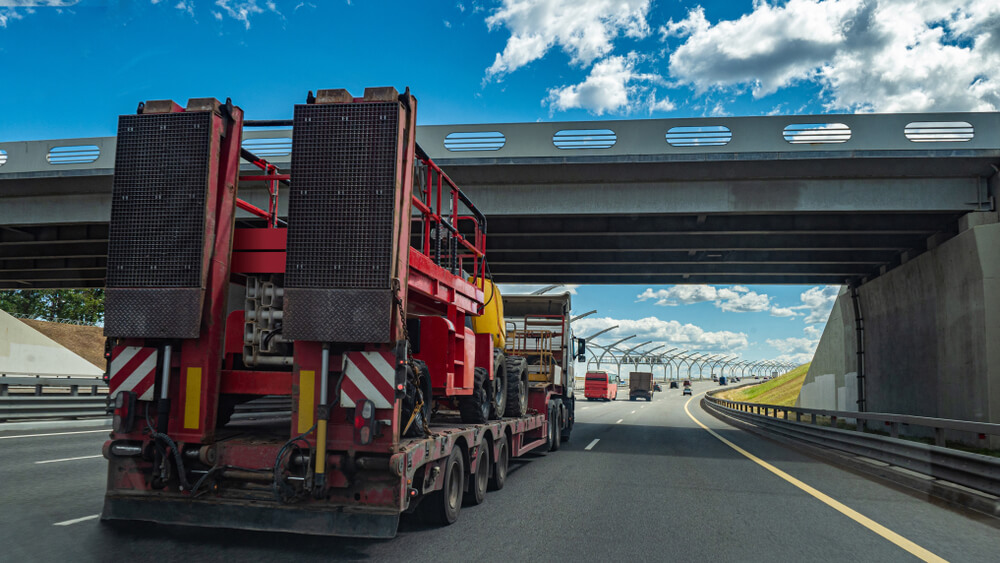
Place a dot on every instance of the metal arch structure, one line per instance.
(754, 200)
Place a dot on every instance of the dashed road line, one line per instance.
(620, 421)
(591, 445)
(633, 412)
(68, 459)
(77, 520)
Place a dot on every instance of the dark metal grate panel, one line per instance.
(342, 203)
(158, 209)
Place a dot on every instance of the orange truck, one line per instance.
(598, 386)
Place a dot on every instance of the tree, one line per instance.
(81, 306)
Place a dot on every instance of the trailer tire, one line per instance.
(570, 419)
(499, 473)
(517, 386)
(479, 481)
(498, 391)
(555, 429)
(442, 507)
(475, 408)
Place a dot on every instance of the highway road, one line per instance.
(639, 481)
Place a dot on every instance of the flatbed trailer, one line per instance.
(359, 309)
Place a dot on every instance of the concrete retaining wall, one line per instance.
(932, 336)
(24, 350)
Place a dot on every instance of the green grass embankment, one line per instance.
(782, 390)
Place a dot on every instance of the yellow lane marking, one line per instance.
(192, 398)
(307, 390)
(900, 541)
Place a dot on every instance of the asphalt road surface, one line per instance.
(639, 481)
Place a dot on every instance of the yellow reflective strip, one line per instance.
(307, 392)
(192, 398)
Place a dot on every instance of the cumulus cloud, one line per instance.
(878, 55)
(813, 332)
(737, 299)
(818, 301)
(672, 333)
(583, 29)
(613, 85)
(797, 350)
(784, 312)
(9, 8)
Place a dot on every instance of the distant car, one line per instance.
(715, 378)
(687, 391)
(673, 385)
(657, 387)
(722, 380)
(687, 383)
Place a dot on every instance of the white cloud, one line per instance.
(242, 10)
(784, 312)
(818, 301)
(797, 350)
(583, 29)
(447, 24)
(885, 55)
(38, 3)
(671, 333)
(610, 87)
(186, 7)
(737, 299)
(813, 332)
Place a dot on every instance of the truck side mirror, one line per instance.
(581, 350)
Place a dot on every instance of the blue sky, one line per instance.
(68, 68)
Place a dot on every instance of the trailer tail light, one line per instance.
(364, 422)
(124, 415)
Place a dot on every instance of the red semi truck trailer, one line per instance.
(357, 310)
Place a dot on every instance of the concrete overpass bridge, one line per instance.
(788, 199)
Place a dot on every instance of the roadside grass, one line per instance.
(782, 390)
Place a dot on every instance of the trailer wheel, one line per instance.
(479, 481)
(499, 474)
(442, 507)
(475, 408)
(570, 419)
(554, 427)
(498, 391)
(517, 386)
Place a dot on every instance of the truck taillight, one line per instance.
(124, 412)
(364, 422)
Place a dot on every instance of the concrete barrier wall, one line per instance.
(932, 336)
(24, 350)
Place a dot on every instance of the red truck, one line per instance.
(358, 310)
(599, 386)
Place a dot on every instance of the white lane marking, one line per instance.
(591, 445)
(642, 407)
(620, 421)
(77, 520)
(68, 459)
(106, 430)
(633, 412)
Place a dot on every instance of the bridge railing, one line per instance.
(969, 469)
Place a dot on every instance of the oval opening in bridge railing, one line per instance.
(939, 131)
(77, 154)
(269, 146)
(475, 141)
(817, 133)
(3, 157)
(585, 139)
(699, 136)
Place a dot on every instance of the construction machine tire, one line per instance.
(499, 474)
(498, 391)
(475, 408)
(419, 391)
(571, 419)
(442, 507)
(517, 386)
(479, 481)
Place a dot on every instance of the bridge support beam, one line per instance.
(931, 336)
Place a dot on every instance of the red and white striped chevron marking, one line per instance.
(133, 368)
(369, 375)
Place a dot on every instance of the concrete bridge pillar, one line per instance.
(931, 338)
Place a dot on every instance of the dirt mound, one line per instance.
(84, 341)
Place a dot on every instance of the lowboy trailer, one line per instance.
(361, 309)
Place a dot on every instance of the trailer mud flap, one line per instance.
(287, 518)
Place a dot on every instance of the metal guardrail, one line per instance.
(976, 471)
(73, 384)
